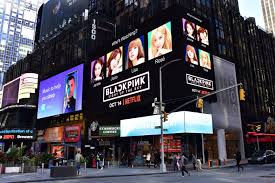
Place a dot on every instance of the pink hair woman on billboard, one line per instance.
(205, 59)
(98, 70)
(190, 29)
(191, 56)
(114, 63)
(135, 53)
(161, 42)
(203, 35)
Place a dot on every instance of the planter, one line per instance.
(30, 169)
(2, 169)
(12, 169)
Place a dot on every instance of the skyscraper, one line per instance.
(17, 29)
(268, 7)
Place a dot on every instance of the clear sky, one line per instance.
(252, 8)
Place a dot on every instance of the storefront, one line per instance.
(18, 137)
(182, 133)
(60, 141)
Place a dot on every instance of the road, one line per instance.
(251, 174)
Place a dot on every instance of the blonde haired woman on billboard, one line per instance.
(161, 42)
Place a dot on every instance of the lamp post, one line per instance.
(162, 165)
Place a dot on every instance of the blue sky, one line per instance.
(252, 8)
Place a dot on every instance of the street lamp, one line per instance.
(162, 165)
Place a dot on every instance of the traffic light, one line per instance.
(165, 116)
(200, 103)
(242, 94)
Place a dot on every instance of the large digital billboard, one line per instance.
(57, 13)
(19, 88)
(126, 77)
(178, 122)
(61, 93)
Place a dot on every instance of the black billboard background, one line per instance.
(55, 11)
(174, 76)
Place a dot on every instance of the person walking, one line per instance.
(78, 158)
(194, 160)
(184, 162)
(148, 159)
(238, 159)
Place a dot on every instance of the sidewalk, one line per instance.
(95, 173)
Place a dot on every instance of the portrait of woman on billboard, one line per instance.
(97, 69)
(159, 41)
(202, 35)
(189, 28)
(135, 54)
(114, 62)
(191, 55)
(205, 59)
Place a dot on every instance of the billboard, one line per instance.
(118, 79)
(57, 13)
(61, 93)
(178, 122)
(19, 88)
(10, 92)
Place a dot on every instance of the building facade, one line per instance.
(249, 49)
(268, 7)
(17, 29)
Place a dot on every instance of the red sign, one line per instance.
(170, 144)
(8, 137)
(72, 133)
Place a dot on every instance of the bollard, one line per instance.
(1, 168)
(108, 164)
(85, 166)
(224, 162)
(22, 171)
(96, 164)
(42, 168)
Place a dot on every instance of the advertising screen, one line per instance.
(178, 122)
(133, 84)
(58, 12)
(10, 92)
(61, 93)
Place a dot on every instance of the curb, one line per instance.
(106, 176)
(92, 177)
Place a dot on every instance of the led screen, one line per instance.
(114, 62)
(97, 69)
(160, 41)
(57, 12)
(10, 93)
(61, 93)
(178, 122)
(135, 54)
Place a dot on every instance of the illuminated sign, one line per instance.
(127, 87)
(61, 93)
(20, 134)
(19, 88)
(72, 133)
(109, 130)
(199, 82)
(178, 122)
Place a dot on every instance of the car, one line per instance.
(263, 156)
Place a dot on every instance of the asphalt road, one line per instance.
(251, 174)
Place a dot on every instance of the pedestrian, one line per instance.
(238, 159)
(131, 159)
(78, 159)
(156, 159)
(184, 162)
(175, 162)
(148, 159)
(198, 165)
(194, 160)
